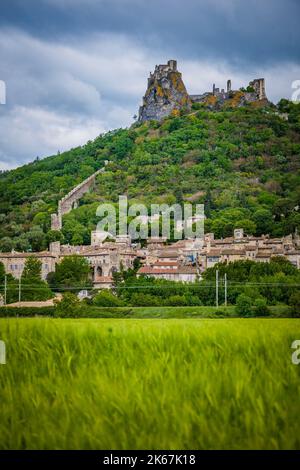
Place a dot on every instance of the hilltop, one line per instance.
(166, 94)
(242, 162)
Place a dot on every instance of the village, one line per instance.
(182, 261)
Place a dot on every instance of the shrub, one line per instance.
(220, 313)
(106, 298)
(176, 301)
(26, 312)
(193, 300)
(82, 312)
(68, 307)
(145, 300)
(260, 307)
(294, 302)
(243, 305)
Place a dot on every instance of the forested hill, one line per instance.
(242, 163)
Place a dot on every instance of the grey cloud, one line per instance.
(238, 30)
(76, 68)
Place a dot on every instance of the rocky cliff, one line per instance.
(166, 93)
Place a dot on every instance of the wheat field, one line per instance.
(149, 384)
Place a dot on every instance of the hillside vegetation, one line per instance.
(242, 163)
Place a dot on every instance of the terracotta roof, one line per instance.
(263, 255)
(179, 270)
(224, 241)
(187, 270)
(156, 240)
(168, 254)
(214, 252)
(166, 263)
(232, 251)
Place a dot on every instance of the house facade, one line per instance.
(183, 261)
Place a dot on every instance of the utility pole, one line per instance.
(5, 289)
(19, 289)
(217, 288)
(225, 282)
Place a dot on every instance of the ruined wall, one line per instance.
(259, 86)
(70, 201)
(217, 99)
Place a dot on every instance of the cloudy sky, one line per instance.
(76, 68)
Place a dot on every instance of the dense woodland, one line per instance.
(242, 163)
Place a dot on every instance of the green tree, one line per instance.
(68, 306)
(243, 305)
(264, 221)
(260, 307)
(33, 287)
(106, 298)
(73, 272)
(6, 244)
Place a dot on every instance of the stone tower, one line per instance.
(259, 86)
(166, 93)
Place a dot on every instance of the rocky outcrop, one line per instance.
(166, 93)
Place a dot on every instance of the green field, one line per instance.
(149, 384)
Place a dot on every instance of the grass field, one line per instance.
(152, 384)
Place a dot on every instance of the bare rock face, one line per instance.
(166, 94)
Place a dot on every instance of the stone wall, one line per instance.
(70, 201)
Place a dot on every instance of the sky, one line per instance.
(73, 69)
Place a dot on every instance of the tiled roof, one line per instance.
(262, 254)
(179, 270)
(166, 263)
(214, 252)
(168, 254)
(232, 251)
(187, 270)
(156, 240)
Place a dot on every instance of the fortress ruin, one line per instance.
(166, 94)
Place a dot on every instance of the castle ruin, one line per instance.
(166, 94)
